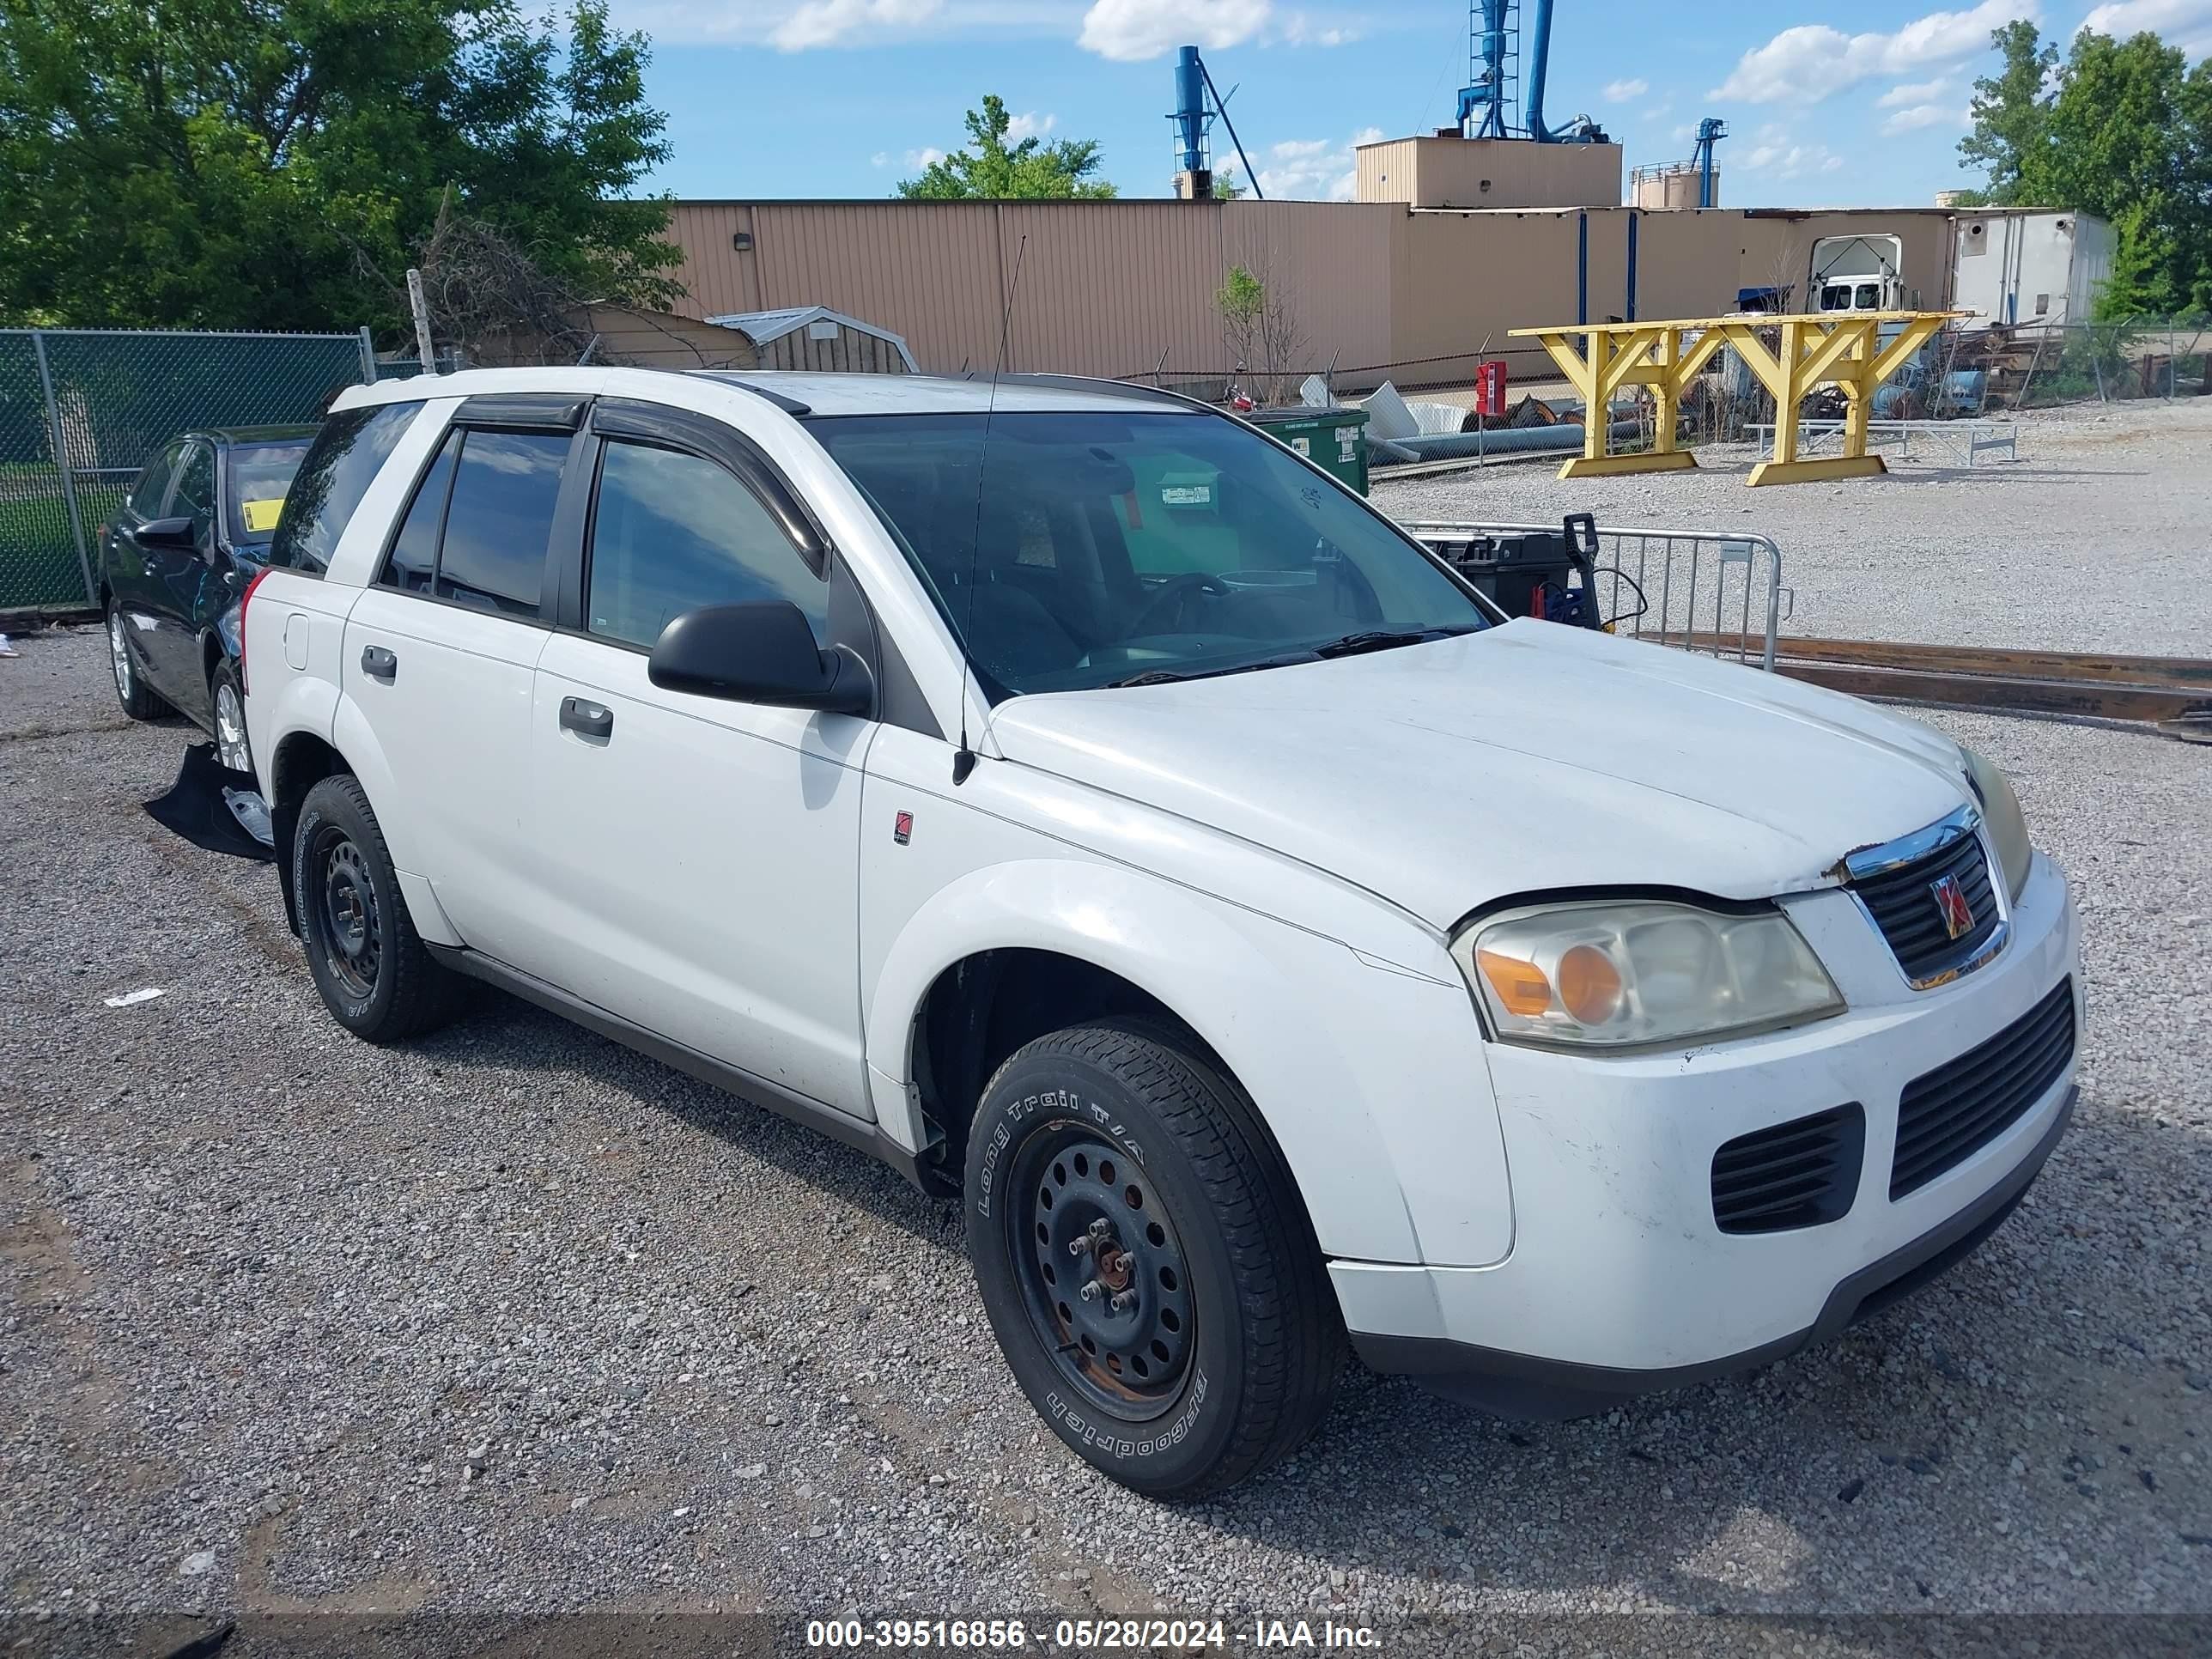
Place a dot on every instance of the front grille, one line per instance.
(1952, 1112)
(1904, 905)
(1798, 1173)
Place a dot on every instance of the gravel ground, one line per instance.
(511, 1319)
(2096, 540)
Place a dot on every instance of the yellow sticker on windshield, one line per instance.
(262, 515)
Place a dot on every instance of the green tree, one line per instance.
(200, 163)
(991, 169)
(2009, 115)
(2122, 128)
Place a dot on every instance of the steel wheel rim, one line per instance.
(1127, 1346)
(345, 898)
(230, 730)
(119, 654)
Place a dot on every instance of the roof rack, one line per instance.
(1098, 383)
(788, 405)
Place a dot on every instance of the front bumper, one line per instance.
(1619, 1281)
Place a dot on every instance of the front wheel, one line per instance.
(1145, 1261)
(139, 702)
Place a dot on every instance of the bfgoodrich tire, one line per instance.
(1145, 1261)
(376, 978)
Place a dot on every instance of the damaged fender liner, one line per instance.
(1549, 1390)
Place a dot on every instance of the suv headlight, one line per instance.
(1610, 973)
(2000, 812)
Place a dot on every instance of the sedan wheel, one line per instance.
(138, 702)
(230, 745)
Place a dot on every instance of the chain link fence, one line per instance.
(82, 411)
(2039, 366)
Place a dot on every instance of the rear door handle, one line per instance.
(594, 720)
(379, 663)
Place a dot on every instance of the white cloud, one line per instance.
(2187, 23)
(1806, 63)
(882, 158)
(928, 156)
(1030, 125)
(1778, 156)
(1307, 169)
(1620, 92)
(1918, 92)
(1299, 29)
(1923, 115)
(829, 22)
(1130, 31)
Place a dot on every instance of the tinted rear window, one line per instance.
(344, 460)
(260, 477)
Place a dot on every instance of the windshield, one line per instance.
(259, 476)
(1125, 547)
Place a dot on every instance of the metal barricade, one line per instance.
(1718, 591)
(1964, 441)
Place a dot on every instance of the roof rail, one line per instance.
(788, 405)
(1099, 383)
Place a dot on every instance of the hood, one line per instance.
(1525, 757)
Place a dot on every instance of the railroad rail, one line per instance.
(2172, 694)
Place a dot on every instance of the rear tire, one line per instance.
(227, 708)
(131, 690)
(1119, 1155)
(377, 978)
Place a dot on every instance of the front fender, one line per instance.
(1371, 1080)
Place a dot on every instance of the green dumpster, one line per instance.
(1333, 440)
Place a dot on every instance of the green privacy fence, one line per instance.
(82, 411)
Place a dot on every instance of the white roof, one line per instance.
(825, 393)
(821, 392)
(762, 327)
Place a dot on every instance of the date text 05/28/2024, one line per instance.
(1088, 1635)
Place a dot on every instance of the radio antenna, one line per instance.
(963, 759)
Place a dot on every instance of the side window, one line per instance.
(500, 518)
(413, 563)
(194, 495)
(672, 531)
(344, 460)
(153, 486)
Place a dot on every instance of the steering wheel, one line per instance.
(1173, 589)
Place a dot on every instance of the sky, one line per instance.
(1828, 104)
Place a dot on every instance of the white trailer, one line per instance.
(2028, 267)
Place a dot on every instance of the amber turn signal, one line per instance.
(1519, 987)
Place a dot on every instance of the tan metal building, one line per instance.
(1383, 288)
(1487, 173)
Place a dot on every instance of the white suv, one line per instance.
(1075, 798)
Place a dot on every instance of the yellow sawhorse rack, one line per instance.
(1842, 349)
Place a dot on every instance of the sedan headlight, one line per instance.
(1613, 973)
(2000, 812)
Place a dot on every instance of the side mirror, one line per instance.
(167, 533)
(762, 651)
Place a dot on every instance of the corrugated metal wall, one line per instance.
(1107, 286)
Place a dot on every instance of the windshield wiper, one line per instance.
(1377, 639)
(1169, 675)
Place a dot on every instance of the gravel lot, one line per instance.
(2095, 539)
(511, 1319)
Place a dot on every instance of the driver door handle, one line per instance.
(592, 721)
(379, 663)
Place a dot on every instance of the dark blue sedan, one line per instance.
(175, 562)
